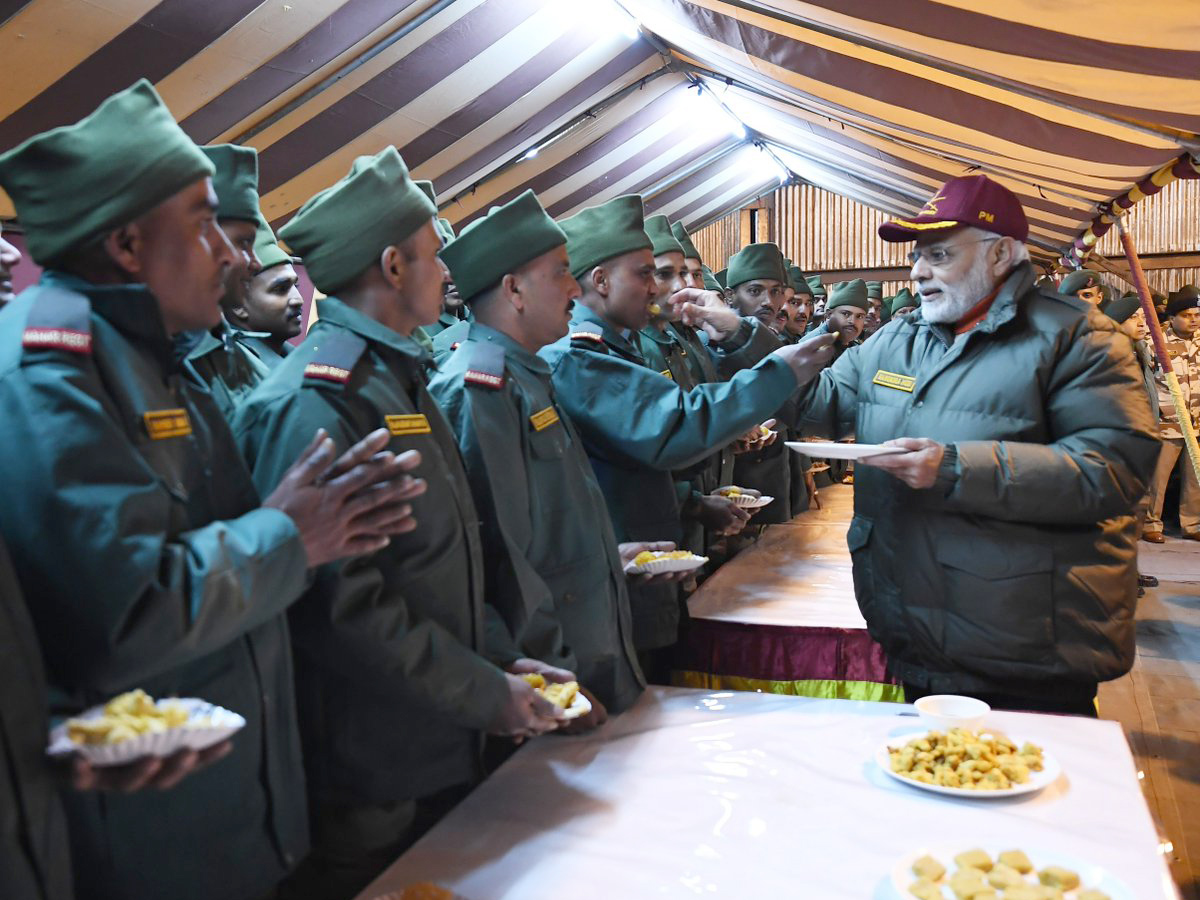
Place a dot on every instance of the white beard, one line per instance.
(957, 300)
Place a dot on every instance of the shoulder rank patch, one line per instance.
(544, 419)
(485, 365)
(408, 423)
(60, 320)
(594, 336)
(334, 359)
(667, 372)
(904, 383)
(167, 423)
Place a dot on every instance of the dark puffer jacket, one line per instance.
(1019, 565)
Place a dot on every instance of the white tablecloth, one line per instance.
(744, 795)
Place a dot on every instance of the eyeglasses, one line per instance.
(937, 256)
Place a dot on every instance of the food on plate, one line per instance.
(1058, 877)
(649, 556)
(977, 877)
(126, 717)
(731, 491)
(966, 760)
(560, 694)
(764, 430)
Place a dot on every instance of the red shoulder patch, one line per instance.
(588, 336)
(495, 382)
(44, 338)
(327, 373)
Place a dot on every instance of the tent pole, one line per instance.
(1160, 346)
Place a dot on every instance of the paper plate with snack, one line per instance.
(565, 695)
(134, 725)
(743, 497)
(950, 873)
(656, 562)
(980, 765)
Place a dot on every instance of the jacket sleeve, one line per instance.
(627, 412)
(351, 620)
(489, 429)
(1100, 457)
(118, 592)
(828, 406)
(753, 343)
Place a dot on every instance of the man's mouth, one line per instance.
(931, 293)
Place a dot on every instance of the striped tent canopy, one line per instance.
(699, 105)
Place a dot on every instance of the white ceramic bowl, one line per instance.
(946, 711)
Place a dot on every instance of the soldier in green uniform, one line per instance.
(554, 571)
(819, 299)
(1084, 284)
(846, 313)
(393, 689)
(218, 356)
(135, 530)
(904, 303)
(876, 315)
(269, 315)
(797, 310)
(9, 257)
(636, 425)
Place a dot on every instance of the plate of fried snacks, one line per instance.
(1003, 874)
(980, 765)
(134, 725)
(421, 891)
(839, 450)
(656, 562)
(742, 497)
(565, 695)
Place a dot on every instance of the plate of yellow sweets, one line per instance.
(134, 725)
(975, 764)
(565, 695)
(656, 562)
(1003, 874)
(743, 497)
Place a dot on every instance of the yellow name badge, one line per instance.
(904, 383)
(167, 423)
(407, 424)
(667, 373)
(544, 419)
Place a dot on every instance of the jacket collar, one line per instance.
(335, 312)
(583, 317)
(512, 350)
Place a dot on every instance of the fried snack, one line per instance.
(1004, 876)
(1058, 877)
(535, 680)
(928, 867)
(1017, 860)
(126, 717)
(764, 430)
(1092, 894)
(731, 491)
(924, 889)
(966, 760)
(974, 859)
(655, 309)
(1023, 891)
(561, 695)
(649, 556)
(967, 882)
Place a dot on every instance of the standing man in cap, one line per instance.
(846, 313)
(876, 315)
(1084, 284)
(554, 570)
(904, 303)
(1183, 345)
(636, 425)
(270, 315)
(995, 557)
(797, 310)
(755, 283)
(819, 299)
(10, 256)
(393, 686)
(130, 467)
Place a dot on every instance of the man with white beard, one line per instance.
(996, 555)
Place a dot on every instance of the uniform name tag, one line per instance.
(667, 372)
(544, 419)
(167, 423)
(329, 373)
(38, 338)
(904, 383)
(407, 424)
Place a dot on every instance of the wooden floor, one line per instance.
(1158, 703)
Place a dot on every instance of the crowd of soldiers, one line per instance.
(361, 551)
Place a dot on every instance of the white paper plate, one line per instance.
(580, 706)
(1090, 875)
(835, 450)
(745, 501)
(1037, 780)
(659, 566)
(190, 735)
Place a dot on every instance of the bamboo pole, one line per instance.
(1160, 347)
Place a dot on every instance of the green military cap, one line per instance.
(662, 239)
(848, 293)
(814, 282)
(501, 242)
(755, 261)
(1186, 297)
(267, 248)
(235, 180)
(426, 187)
(710, 280)
(1079, 280)
(600, 233)
(341, 231)
(799, 283)
(875, 290)
(720, 277)
(75, 183)
(903, 299)
(685, 241)
(445, 229)
(1122, 308)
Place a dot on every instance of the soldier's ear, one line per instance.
(239, 312)
(598, 279)
(393, 266)
(123, 246)
(510, 290)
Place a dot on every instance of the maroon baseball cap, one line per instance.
(973, 200)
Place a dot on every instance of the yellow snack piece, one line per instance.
(967, 882)
(125, 717)
(928, 867)
(649, 556)
(560, 695)
(974, 859)
(535, 680)
(1022, 892)
(764, 430)
(1004, 876)
(655, 309)
(1017, 860)
(924, 889)
(1092, 894)
(1058, 877)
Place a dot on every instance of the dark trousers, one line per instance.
(1070, 700)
